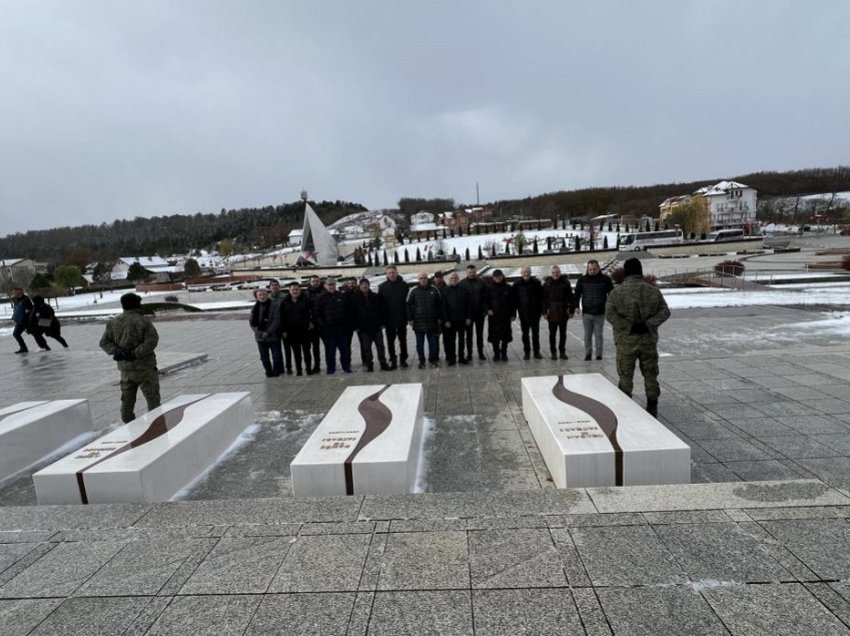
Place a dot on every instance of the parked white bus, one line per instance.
(719, 236)
(637, 241)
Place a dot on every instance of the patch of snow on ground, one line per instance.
(428, 428)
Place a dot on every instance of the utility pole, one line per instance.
(477, 198)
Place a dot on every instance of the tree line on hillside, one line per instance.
(246, 228)
(263, 228)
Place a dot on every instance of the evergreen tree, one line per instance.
(418, 255)
(618, 242)
(578, 243)
(480, 253)
(605, 242)
(386, 262)
(535, 245)
(467, 255)
(395, 257)
(191, 269)
(406, 256)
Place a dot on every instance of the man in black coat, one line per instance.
(457, 318)
(313, 291)
(367, 312)
(332, 309)
(393, 293)
(21, 310)
(528, 299)
(477, 289)
(296, 327)
(500, 312)
(591, 294)
(425, 311)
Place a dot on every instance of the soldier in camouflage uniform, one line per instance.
(130, 339)
(635, 310)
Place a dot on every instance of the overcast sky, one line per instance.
(117, 109)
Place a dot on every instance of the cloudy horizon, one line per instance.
(114, 110)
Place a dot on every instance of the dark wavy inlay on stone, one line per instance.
(378, 418)
(604, 416)
(160, 426)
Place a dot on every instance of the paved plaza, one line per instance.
(757, 544)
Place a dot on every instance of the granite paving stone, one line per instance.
(243, 565)
(11, 553)
(206, 615)
(62, 570)
(514, 559)
(303, 614)
(732, 450)
(19, 617)
(422, 613)
(92, 616)
(721, 552)
(322, 563)
(44, 518)
(143, 567)
(786, 609)
(535, 612)
(659, 610)
(796, 446)
(822, 544)
(592, 617)
(834, 598)
(628, 555)
(409, 561)
(764, 470)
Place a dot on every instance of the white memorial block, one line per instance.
(151, 458)
(368, 443)
(592, 434)
(31, 431)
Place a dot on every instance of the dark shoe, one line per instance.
(346, 371)
(554, 356)
(564, 355)
(393, 365)
(598, 357)
(538, 355)
(331, 371)
(404, 364)
(588, 357)
(434, 364)
(289, 372)
(526, 356)
(299, 372)
(45, 348)
(310, 372)
(63, 343)
(451, 363)
(421, 364)
(496, 356)
(464, 360)
(652, 406)
(370, 368)
(271, 375)
(481, 355)
(385, 367)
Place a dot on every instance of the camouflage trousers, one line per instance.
(628, 355)
(131, 381)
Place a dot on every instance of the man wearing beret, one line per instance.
(636, 310)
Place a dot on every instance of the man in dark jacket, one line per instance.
(265, 323)
(636, 310)
(477, 289)
(332, 310)
(528, 299)
(457, 318)
(21, 310)
(313, 291)
(500, 312)
(425, 310)
(558, 309)
(591, 294)
(276, 295)
(393, 293)
(296, 327)
(367, 312)
(130, 338)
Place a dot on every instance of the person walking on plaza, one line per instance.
(295, 323)
(393, 293)
(425, 310)
(636, 310)
(131, 339)
(332, 309)
(500, 313)
(558, 308)
(43, 322)
(265, 322)
(277, 297)
(477, 289)
(456, 320)
(591, 294)
(528, 300)
(313, 291)
(367, 316)
(21, 310)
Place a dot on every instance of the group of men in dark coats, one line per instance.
(295, 321)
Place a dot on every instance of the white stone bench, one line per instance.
(32, 431)
(368, 443)
(151, 458)
(591, 434)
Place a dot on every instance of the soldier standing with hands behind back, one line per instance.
(130, 338)
(635, 310)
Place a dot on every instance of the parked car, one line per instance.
(845, 231)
